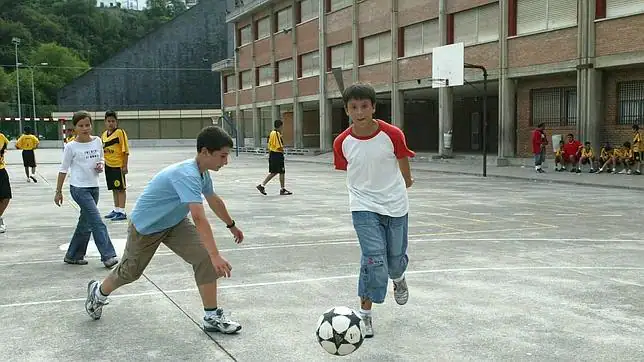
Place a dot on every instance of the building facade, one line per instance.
(576, 66)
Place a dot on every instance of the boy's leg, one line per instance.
(139, 250)
(184, 240)
(78, 245)
(5, 196)
(374, 274)
(397, 258)
(116, 183)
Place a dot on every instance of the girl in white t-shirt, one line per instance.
(83, 160)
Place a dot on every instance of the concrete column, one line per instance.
(397, 97)
(507, 94)
(275, 113)
(298, 125)
(589, 80)
(445, 94)
(355, 42)
(257, 142)
(326, 140)
(297, 119)
(239, 121)
(257, 127)
(325, 123)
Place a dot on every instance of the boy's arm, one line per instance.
(203, 228)
(218, 206)
(125, 148)
(405, 169)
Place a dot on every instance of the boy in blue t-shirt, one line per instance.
(161, 216)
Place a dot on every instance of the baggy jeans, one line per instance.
(383, 243)
(89, 223)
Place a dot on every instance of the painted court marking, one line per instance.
(338, 277)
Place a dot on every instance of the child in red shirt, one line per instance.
(571, 153)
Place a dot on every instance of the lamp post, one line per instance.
(33, 90)
(16, 42)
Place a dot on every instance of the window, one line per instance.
(339, 4)
(285, 70)
(310, 64)
(421, 38)
(230, 83)
(615, 8)
(263, 28)
(631, 102)
(245, 36)
(342, 56)
(284, 19)
(309, 9)
(246, 79)
(478, 25)
(377, 48)
(555, 107)
(265, 75)
(540, 15)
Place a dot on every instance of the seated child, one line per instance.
(571, 152)
(587, 157)
(628, 159)
(559, 157)
(605, 154)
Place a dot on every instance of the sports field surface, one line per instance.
(499, 271)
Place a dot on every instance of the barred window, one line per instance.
(554, 107)
(630, 99)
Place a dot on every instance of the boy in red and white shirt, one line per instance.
(376, 158)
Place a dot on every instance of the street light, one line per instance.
(33, 90)
(16, 42)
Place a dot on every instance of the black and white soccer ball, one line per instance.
(340, 331)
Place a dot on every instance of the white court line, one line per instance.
(338, 277)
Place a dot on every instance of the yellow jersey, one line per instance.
(27, 142)
(4, 143)
(617, 153)
(558, 152)
(605, 155)
(115, 146)
(275, 142)
(69, 138)
(627, 153)
(587, 152)
(637, 142)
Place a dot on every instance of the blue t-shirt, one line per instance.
(164, 201)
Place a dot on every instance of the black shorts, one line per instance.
(5, 186)
(28, 158)
(115, 178)
(276, 162)
(638, 156)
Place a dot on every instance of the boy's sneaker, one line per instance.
(368, 325)
(119, 216)
(3, 227)
(111, 214)
(111, 262)
(261, 189)
(218, 322)
(401, 292)
(285, 192)
(93, 304)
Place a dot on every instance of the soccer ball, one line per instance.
(340, 331)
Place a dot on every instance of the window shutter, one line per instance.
(384, 40)
(347, 55)
(465, 26)
(337, 56)
(413, 39)
(488, 23)
(531, 16)
(371, 50)
(616, 8)
(431, 36)
(562, 13)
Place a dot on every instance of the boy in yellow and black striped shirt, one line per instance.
(5, 185)
(116, 152)
(275, 160)
(638, 155)
(587, 157)
(28, 143)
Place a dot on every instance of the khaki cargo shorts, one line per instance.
(182, 239)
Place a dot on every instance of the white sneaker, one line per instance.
(218, 322)
(401, 292)
(368, 325)
(3, 227)
(94, 305)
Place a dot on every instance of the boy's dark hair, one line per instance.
(214, 138)
(78, 116)
(570, 135)
(541, 125)
(587, 143)
(278, 123)
(27, 129)
(636, 127)
(111, 114)
(627, 144)
(359, 91)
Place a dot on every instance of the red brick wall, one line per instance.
(263, 51)
(414, 11)
(375, 73)
(283, 47)
(485, 54)
(307, 37)
(243, 56)
(332, 86)
(284, 90)
(229, 99)
(263, 93)
(524, 129)
(374, 16)
(620, 35)
(454, 6)
(610, 130)
(543, 48)
(338, 26)
(412, 68)
(309, 86)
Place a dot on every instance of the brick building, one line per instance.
(577, 66)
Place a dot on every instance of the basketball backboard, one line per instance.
(448, 65)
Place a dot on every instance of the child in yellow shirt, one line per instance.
(587, 157)
(28, 143)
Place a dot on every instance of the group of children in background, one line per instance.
(628, 157)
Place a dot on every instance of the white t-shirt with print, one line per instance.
(80, 159)
(374, 179)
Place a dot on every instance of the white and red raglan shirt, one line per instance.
(374, 179)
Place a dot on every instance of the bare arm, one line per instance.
(405, 169)
(60, 181)
(218, 206)
(203, 228)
